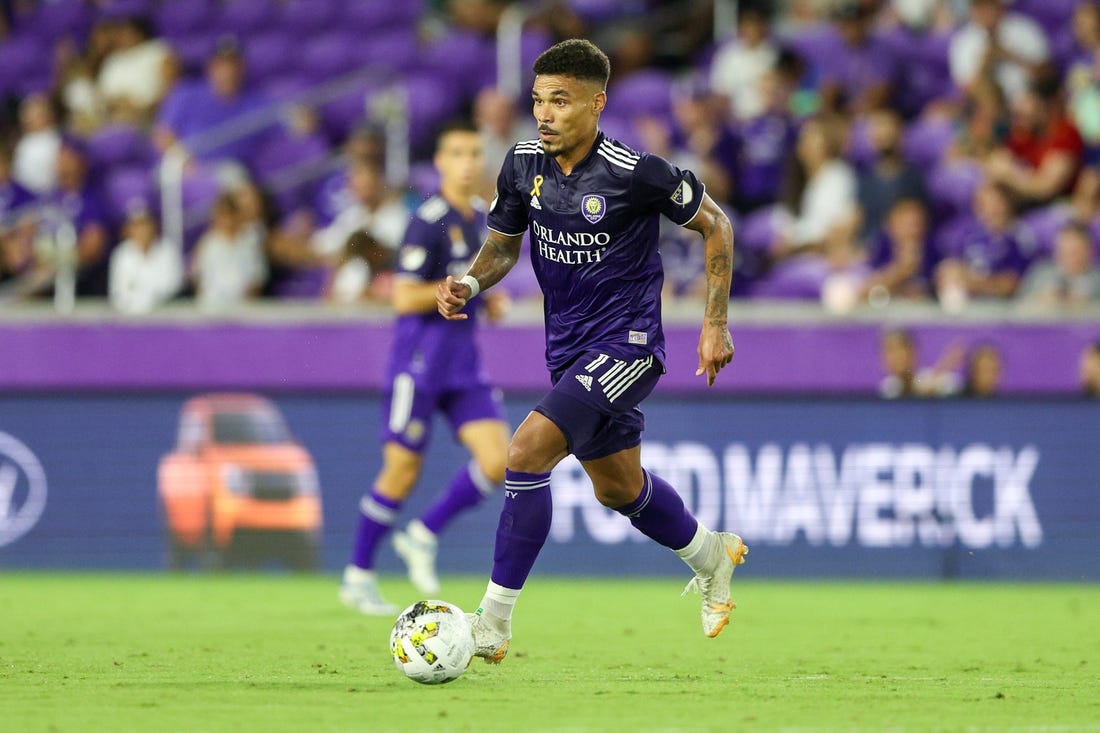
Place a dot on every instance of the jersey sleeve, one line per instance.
(658, 185)
(508, 211)
(419, 257)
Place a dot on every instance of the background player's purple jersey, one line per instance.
(438, 353)
(594, 240)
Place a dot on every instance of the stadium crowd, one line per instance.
(868, 151)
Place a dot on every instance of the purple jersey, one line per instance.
(765, 144)
(439, 354)
(989, 252)
(594, 240)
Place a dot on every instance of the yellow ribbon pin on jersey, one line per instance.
(537, 182)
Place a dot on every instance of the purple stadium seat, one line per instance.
(126, 8)
(598, 11)
(431, 101)
(1044, 224)
(424, 178)
(395, 51)
(799, 278)
(645, 92)
(621, 127)
(328, 55)
(245, 17)
(302, 283)
(1095, 229)
(194, 50)
(119, 145)
(128, 188)
(1052, 15)
(927, 139)
(269, 54)
(758, 230)
(20, 57)
(178, 19)
(341, 115)
(281, 155)
(467, 61)
(370, 17)
(307, 16)
(815, 44)
(951, 186)
(285, 87)
(57, 20)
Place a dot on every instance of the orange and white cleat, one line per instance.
(714, 585)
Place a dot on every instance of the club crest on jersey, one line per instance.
(593, 207)
(683, 195)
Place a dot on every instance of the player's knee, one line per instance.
(527, 456)
(614, 495)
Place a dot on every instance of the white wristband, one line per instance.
(471, 282)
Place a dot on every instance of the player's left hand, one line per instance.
(715, 351)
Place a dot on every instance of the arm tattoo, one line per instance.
(495, 258)
(718, 241)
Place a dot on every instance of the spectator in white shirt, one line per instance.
(821, 203)
(1006, 48)
(228, 266)
(136, 73)
(741, 62)
(374, 209)
(34, 162)
(146, 269)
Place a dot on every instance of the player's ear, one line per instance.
(599, 101)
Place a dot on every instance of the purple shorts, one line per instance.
(408, 409)
(595, 400)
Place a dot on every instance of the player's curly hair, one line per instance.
(577, 58)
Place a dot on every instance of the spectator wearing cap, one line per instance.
(986, 256)
(76, 201)
(858, 72)
(136, 73)
(997, 46)
(214, 119)
(1043, 153)
(146, 270)
(1071, 278)
(740, 63)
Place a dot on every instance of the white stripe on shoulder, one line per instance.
(528, 147)
(614, 160)
(433, 209)
(617, 154)
(619, 148)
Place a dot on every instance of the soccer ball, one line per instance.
(432, 642)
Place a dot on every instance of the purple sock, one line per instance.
(376, 516)
(659, 513)
(523, 528)
(468, 488)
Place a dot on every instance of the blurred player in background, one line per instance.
(434, 366)
(593, 207)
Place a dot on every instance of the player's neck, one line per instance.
(459, 198)
(567, 161)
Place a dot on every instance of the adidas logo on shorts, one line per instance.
(585, 380)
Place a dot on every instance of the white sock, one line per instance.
(354, 574)
(420, 533)
(499, 601)
(697, 553)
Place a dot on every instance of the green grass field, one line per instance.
(231, 653)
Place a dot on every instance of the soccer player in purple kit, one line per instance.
(434, 366)
(591, 206)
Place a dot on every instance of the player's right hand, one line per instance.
(450, 299)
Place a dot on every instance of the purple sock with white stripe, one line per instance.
(376, 515)
(659, 513)
(523, 528)
(468, 488)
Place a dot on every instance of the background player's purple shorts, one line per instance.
(409, 408)
(595, 400)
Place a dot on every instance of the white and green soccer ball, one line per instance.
(432, 642)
